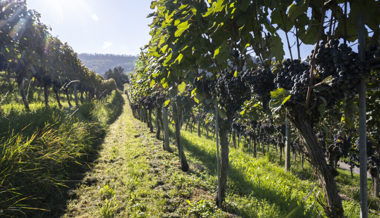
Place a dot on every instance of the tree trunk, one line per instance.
(218, 200)
(22, 92)
(38, 95)
(234, 138)
(281, 148)
(376, 186)
(376, 183)
(248, 142)
(177, 120)
(81, 97)
(140, 114)
(199, 127)
(46, 95)
(89, 96)
(255, 148)
(28, 90)
(222, 182)
(333, 207)
(76, 97)
(287, 145)
(262, 147)
(362, 121)
(166, 129)
(68, 97)
(146, 117)
(158, 123)
(57, 97)
(150, 123)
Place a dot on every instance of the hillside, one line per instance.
(100, 63)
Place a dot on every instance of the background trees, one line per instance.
(118, 75)
(32, 57)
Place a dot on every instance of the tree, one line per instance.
(118, 75)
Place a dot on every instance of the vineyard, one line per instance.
(220, 64)
(54, 113)
(227, 114)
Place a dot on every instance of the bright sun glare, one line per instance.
(70, 9)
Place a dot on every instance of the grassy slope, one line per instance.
(264, 179)
(135, 177)
(257, 188)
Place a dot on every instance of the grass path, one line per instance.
(133, 176)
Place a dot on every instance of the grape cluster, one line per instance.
(238, 127)
(373, 57)
(251, 129)
(148, 102)
(343, 65)
(339, 71)
(158, 99)
(338, 148)
(205, 85)
(3, 62)
(295, 77)
(43, 78)
(289, 73)
(373, 160)
(261, 83)
(266, 131)
(232, 91)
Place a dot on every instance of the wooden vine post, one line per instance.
(362, 123)
(287, 145)
(217, 147)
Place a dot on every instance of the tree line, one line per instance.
(31, 56)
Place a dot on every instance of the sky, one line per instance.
(107, 26)
(97, 26)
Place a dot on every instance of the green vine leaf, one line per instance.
(167, 102)
(278, 98)
(182, 27)
(181, 87)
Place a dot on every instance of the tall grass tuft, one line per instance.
(43, 152)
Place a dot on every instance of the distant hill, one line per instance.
(100, 63)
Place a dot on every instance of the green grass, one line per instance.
(136, 178)
(263, 184)
(256, 187)
(45, 151)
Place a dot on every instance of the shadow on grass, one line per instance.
(78, 172)
(244, 187)
(55, 200)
